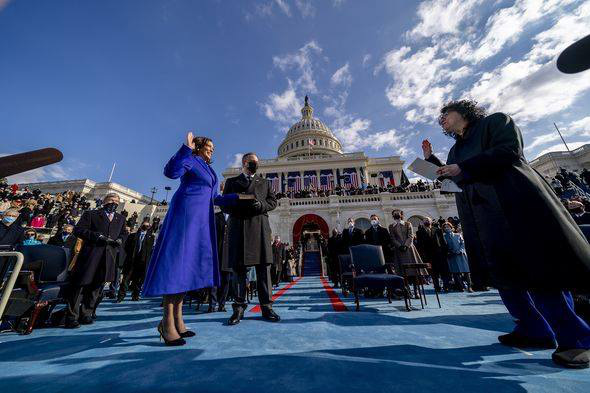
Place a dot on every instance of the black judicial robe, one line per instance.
(516, 230)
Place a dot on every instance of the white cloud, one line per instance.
(366, 59)
(561, 147)
(302, 61)
(337, 3)
(439, 17)
(237, 160)
(283, 6)
(305, 7)
(342, 76)
(582, 126)
(282, 108)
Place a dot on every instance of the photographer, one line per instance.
(101, 231)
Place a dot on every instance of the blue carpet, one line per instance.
(311, 264)
(313, 349)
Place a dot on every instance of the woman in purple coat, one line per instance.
(185, 254)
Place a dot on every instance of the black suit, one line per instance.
(96, 262)
(218, 295)
(379, 236)
(582, 219)
(432, 249)
(57, 240)
(249, 237)
(351, 239)
(138, 253)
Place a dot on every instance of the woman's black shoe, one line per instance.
(171, 343)
(187, 334)
(519, 341)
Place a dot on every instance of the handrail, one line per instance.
(20, 258)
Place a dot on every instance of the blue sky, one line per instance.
(123, 81)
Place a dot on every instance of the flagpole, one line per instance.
(566, 146)
(112, 171)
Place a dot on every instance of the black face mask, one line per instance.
(145, 227)
(110, 207)
(252, 166)
(396, 217)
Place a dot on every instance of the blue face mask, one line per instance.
(448, 230)
(8, 220)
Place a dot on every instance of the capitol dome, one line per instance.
(297, 142)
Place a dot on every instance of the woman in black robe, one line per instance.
(518, 235)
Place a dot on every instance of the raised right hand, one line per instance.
(426, 148)
(190, 140)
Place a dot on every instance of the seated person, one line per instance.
(11, 229)
(31, 238)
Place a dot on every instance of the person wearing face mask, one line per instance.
(578, 212)
(457, 258)
(402, 238)
(101, 231)
(379, 236)
(65, 238)
(31, 238)
(432, 249)
(249, 238)
(278, 257)
(11, 229)
(351, 236)
(138, 249)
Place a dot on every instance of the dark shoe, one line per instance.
(572, 358)
(210, 309)
(119, 300)
(221, 309)
(86, 321)
(187, 334)
(170, 343)
(237, 316)
(135, 298)
(72, 325)
(269, 315)
(517, 340)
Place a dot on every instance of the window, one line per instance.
(297, 144)
(291, 145)
(321, 142)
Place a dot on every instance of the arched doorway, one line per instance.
(416, 221)
(362, 223)
(311, 223)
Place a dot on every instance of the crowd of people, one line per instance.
(418, 186)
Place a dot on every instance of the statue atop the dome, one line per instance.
(306, 100)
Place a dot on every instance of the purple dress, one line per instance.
(185, 254)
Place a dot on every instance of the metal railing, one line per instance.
(7, 290)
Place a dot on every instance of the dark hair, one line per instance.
(200, 142)
(245, 156)
(468, 109)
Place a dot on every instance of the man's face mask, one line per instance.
(252, 166)
(397, 217)
(110, 207)
(8, 220)
(374, 222)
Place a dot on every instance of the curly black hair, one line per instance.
(466, 108)
(200, 142)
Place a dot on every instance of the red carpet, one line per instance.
(277, 295)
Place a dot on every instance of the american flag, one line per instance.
(354, 180)
(275, 184)
(328, 182)
(297, 184)
(311, 142)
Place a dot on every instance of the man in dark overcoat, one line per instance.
(278, 257)
(334, 248)
(432, 249)
(249, 238)
(138, 251)
(351, 236)
(379, 236)
(218, 295)
(518, 231)
(101, 231)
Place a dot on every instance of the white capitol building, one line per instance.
(310, 157)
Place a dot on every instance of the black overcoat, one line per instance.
(515, 227)
(95, 253)
(348, 240)
(379, 236)
(248, 230)
(137, 261)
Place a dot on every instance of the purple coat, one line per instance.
(185, 254)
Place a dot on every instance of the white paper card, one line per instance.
(424, 168)
(447, 185)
